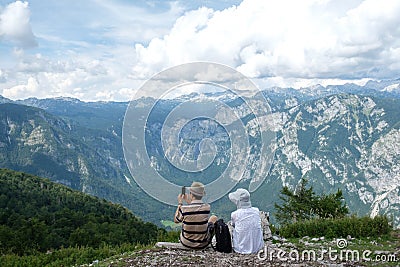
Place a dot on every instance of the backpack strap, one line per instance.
(210, 233)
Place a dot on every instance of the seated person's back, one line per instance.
(247, 233)
(194, 218)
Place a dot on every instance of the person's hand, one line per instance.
(187, 199)
(181, 197)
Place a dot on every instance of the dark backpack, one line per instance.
(222, 236)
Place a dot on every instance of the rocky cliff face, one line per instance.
(35, 141)
(342, 141)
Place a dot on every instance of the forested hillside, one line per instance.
(39, 215)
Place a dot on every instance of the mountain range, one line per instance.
(344, 136)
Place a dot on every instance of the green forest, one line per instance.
(37, 215)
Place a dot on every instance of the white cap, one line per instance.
(241, 198)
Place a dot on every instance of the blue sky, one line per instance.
(104, 50)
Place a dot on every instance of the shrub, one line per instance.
(339, 227)
(168, 236)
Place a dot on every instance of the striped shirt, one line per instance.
(194, 219)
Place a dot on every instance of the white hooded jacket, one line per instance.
(247, 233)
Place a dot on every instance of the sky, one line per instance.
(106, 49)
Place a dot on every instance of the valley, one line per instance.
(337, 137)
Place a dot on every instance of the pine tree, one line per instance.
(297, 205)
(303, 204)
(331, 206)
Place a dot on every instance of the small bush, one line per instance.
(341, 227)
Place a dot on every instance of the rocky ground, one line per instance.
(280, 252)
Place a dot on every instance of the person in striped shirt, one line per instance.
(194, 218)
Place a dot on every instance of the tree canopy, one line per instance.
(39, 215)
(303, 204)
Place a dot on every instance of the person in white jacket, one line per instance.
(247, 236)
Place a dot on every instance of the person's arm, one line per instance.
(233, 219)
(178, 213)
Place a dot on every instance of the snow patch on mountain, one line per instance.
(391, 88)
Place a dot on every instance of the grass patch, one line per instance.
(67, 256)
(379, 251)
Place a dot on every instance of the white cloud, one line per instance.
(88, 76)
(289, 39)
(15, 25)
(108, 53)
(30, 88)
(3, 76)
(85, 55)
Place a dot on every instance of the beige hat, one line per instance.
(197, 189)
